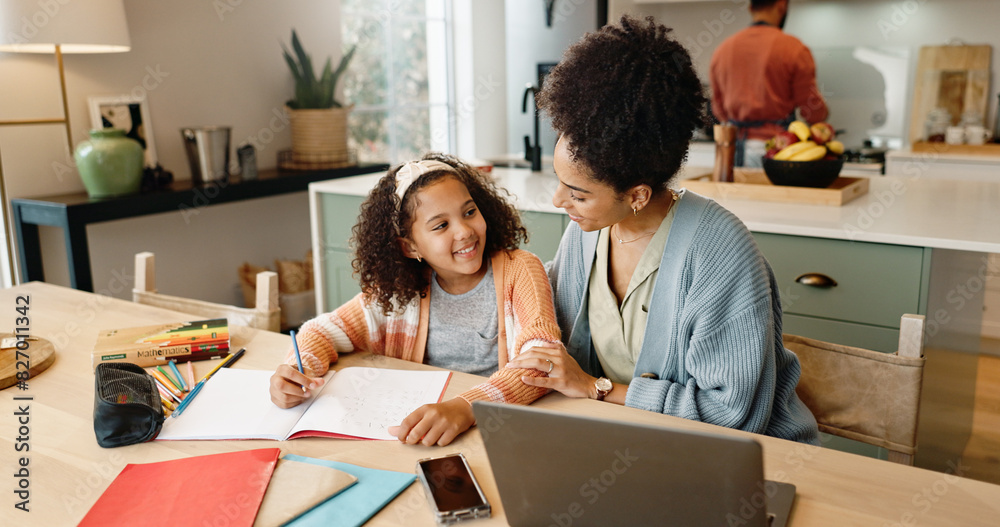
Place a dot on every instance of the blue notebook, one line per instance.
(355, 505)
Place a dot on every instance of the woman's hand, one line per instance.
(564, 374)
(435, 424)
(289, 387)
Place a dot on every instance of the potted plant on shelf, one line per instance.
(318, 120)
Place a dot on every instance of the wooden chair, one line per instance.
(265, 315)
(865, 395)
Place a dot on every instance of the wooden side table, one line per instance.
(73, 212)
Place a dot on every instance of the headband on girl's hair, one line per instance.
(411, 171)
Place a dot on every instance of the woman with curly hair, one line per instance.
(442, 283)
(663, 298)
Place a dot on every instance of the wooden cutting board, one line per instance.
(954, 77)
(752, 184)
(41, 354)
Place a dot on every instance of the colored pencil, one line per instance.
(168, 377)
(177, 373)
(165, 383)
(190, 373)
(166, 389)
(298, 356)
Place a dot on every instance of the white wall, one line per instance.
(530, 42)
(199, 63)
(701, 26)
(480, 78)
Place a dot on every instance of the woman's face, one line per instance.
(591, 204)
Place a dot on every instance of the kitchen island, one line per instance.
(910, 245)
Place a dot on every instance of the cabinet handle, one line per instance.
(816, 280)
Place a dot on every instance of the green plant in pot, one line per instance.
(318, 120)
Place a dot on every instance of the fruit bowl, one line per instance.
(815, 174)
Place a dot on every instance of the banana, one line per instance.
(809, 154)
(835, 147)
(800, 129)
(786, 153)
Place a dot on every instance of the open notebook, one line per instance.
(355, 403)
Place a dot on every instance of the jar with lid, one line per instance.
(937, 123)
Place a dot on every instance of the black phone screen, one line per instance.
(451, 483)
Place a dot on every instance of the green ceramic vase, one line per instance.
(110, 164)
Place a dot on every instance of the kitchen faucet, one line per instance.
(532, 153)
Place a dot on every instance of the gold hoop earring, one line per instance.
(419, 260)
(635, 212)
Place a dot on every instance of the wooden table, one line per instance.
(69, 471)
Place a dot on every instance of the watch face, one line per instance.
(603, 384)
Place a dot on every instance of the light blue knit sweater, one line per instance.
(713, 335)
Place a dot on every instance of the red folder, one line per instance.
(190, 491)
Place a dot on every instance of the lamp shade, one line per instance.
(91, 26)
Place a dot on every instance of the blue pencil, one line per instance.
(187, 400)
(180, 378)
(298, 356)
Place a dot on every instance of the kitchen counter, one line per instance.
(958, 215)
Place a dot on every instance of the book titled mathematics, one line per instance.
(156, 345)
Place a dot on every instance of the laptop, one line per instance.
(555, 469)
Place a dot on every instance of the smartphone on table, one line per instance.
(452, 490)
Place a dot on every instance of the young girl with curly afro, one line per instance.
(664, 300)
(442, 283)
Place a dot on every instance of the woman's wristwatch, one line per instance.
(604, 387)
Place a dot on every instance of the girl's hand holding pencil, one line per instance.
(289, 387)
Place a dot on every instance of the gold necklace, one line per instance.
(621, 241)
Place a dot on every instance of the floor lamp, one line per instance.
(29, 26)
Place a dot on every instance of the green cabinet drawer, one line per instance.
(876, 283)
(874, 338)
(338, 281)
(339, 214)
(544, 232)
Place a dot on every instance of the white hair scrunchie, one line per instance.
(411, 171)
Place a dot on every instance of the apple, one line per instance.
(822, 132)
(780, 141)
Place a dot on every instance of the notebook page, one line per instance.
(365, 402)
(234, 404)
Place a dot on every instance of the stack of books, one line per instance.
(157, 345)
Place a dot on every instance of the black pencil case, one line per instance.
(127, 406)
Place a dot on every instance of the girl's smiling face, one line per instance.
(449, 233)
(592, 204)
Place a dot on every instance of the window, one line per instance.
(400, 79)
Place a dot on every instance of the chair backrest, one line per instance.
(266, 314)
(865, 395)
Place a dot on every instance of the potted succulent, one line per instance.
(318, 120)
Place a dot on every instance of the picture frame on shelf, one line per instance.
(129, 113)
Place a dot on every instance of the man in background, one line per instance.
(759, 76)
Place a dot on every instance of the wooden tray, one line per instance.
(989, 149)
(753, 184)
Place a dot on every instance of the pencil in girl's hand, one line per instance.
(298, 356)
